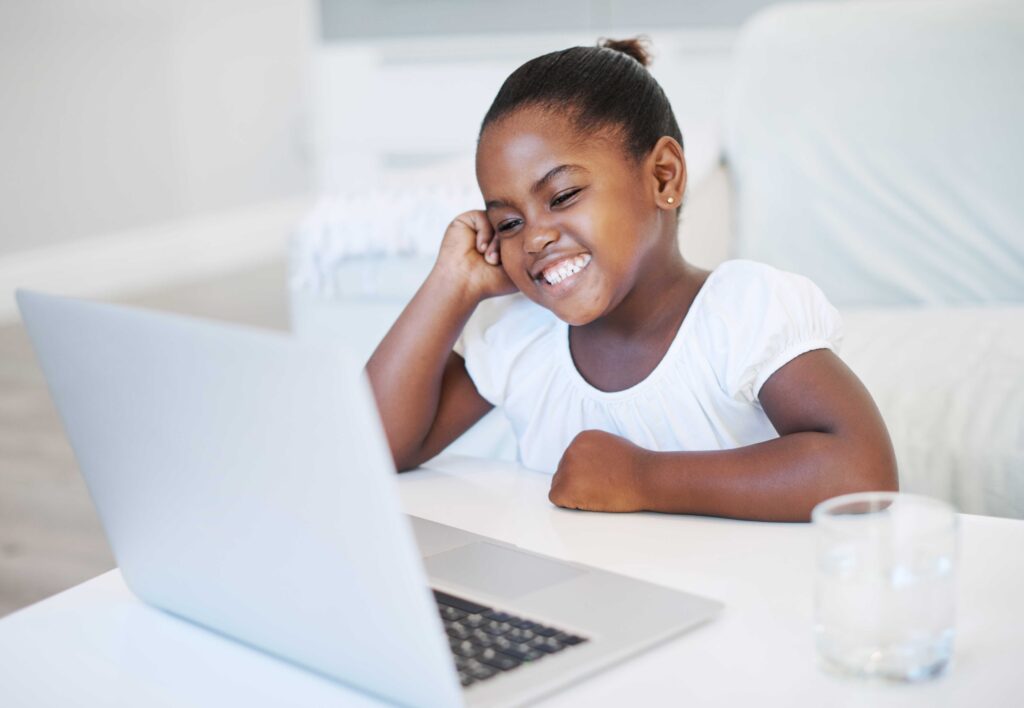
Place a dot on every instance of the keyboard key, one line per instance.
(482, 672)
(452, 614)
(549, 646)
(466, 606)
(464, 648)
(485, 641)
(496, 628)
(520, 635)
(498, 660)
(457, 631)
(482, 638)
(523, 653)
(475, 620)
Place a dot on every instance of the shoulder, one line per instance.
(509, 320)
(759, 318)
(757, 294)
(499, 336)
(738, 279)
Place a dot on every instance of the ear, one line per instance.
(668, 167)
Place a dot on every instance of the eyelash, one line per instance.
(564, 197)
(557, 201)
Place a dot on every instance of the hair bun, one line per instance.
(635, 47)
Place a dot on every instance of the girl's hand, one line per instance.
(469, 253)
(599, 472)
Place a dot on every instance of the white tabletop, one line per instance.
(96, 644)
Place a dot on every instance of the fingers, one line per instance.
(485, 241)
(492, 255)
(477, 220)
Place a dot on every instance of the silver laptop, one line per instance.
(245, 484)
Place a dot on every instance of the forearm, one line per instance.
(777, 480)
(407, 367)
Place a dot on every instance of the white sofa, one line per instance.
(873, 146)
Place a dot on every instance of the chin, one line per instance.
(577, 309)
(575, 316)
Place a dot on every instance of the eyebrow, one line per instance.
(540, 184)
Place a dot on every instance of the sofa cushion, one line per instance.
(876, 147)
(948, 383)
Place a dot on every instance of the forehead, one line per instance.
(524, 145)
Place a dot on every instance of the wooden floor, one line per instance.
(50, 538)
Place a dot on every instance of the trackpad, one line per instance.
(496, 570)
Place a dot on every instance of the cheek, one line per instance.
(512, 261)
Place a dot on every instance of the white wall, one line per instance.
(362, 19)
(121, 114)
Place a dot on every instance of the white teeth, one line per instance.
(566, 268)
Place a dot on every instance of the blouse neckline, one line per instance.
(565, 354)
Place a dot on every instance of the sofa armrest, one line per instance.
(948, 383)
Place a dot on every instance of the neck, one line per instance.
(659, 300)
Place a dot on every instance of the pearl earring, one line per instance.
(671, 200)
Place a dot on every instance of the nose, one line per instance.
(539, 238)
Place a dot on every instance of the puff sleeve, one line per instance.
(494, 339)
(768, 318)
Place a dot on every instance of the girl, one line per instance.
(642, 382)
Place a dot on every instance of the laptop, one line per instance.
(245, 484)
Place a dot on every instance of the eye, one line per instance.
(508, 225)
(565, 196)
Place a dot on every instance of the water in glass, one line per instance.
(886, 586)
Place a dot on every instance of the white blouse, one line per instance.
(747, 321)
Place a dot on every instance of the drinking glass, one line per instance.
(885, 585)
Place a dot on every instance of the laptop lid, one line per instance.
(244, 483)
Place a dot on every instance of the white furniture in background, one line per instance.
(873, 146)
(876, 147)
(96, 644)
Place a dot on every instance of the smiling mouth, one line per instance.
(563, 270)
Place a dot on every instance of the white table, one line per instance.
(96, 644)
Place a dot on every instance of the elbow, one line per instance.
(873, 470)
(875, 479)
(879, 468)
(404, 461)
(869, 469)
(410, 457)
(890, 480)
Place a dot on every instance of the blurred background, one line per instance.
(120, 116)
(293, 163)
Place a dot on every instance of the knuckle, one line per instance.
(583, 440)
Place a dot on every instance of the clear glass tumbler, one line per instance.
(885, 585)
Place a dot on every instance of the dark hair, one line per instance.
(604, 86)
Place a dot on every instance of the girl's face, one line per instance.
(576, 219)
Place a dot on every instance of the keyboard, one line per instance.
(486, 642)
